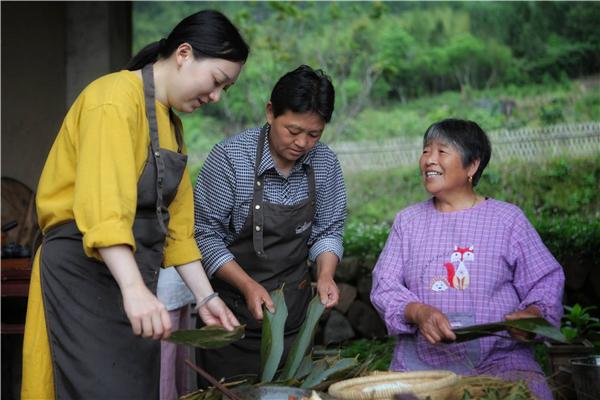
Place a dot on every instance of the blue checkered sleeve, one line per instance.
(213, 205)
(330, 214)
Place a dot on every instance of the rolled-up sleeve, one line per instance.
(105, 191)
(538, 278)
(389, 294)
(214, 196)
(180, 245)
(330, 214)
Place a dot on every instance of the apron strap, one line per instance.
(178, 134)
(148, 78)
(312, 186)
(257, 201)
(260, 147)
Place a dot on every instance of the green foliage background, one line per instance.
(398, 67)
(458, 57)
(561, 197)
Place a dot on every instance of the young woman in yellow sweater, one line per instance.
(115, 204)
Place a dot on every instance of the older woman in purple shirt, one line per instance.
(461, 259)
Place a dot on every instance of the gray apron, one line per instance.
(272, 248)
(95, 354)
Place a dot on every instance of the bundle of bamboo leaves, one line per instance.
(301, 368)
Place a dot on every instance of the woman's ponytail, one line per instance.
(209, 33)
(147, 55)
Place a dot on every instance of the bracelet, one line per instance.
(206, 300)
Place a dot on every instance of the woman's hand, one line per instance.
(256, 295)
(529, 312)
(326, 288)
(147, 315)
(216, 312)
(328, 291)
(432, 323)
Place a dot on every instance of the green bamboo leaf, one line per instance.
(207, 337)
(318, 368)
(322, 371)
(305, 367)
(304, 338)
(271, 346)
(539, 326)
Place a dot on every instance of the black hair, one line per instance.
(210, 34)
(467, 137)
(304, 90)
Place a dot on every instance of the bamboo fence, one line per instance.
(534, 144)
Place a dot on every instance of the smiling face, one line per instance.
(442, 169)
(293, 135)
(199, 81)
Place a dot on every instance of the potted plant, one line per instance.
(582, 331)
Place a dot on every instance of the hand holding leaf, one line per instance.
(529, 312)
(432, 323)
(216, 312)
(256, 295)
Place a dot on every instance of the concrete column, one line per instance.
(33, 85)
(98, 42)
(50, 52)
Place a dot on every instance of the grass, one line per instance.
(534, 106)
(381, 350)
(557, 187)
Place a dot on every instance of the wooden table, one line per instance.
(15, 273)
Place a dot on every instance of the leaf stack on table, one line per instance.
(303, 371)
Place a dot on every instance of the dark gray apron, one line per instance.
(272, 248)
(95, 354)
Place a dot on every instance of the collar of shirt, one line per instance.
(267, 161)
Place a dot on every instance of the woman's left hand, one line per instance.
(529, 312)
(216, 312)
(328, 291)
(326, 288)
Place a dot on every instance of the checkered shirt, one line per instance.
(223, 194)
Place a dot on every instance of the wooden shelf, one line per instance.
(15, 263)
(15, 273)
(12, 329)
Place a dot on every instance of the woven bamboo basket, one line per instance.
(437, 385)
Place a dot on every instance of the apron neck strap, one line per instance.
(149, 98)
(260, 147)
(178, 134)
